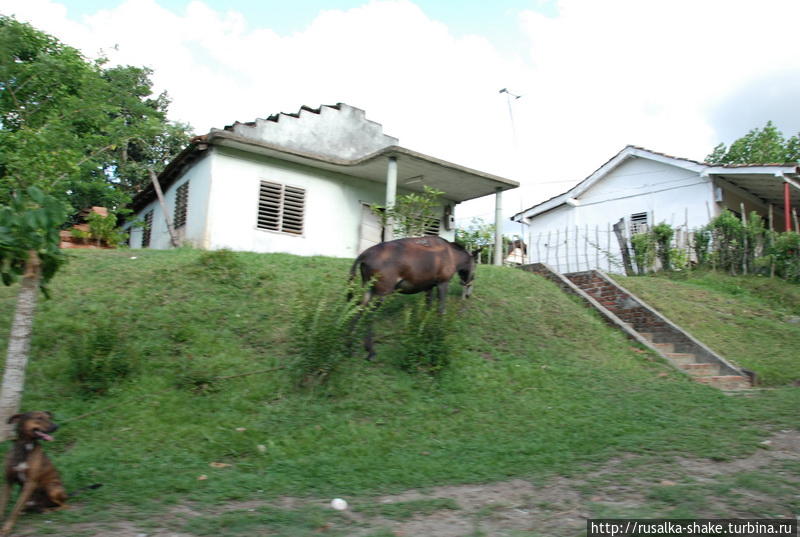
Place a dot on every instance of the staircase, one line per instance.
(645, 325)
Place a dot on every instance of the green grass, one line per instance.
(538, 385)
(753, 321)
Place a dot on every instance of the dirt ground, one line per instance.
(765, 484)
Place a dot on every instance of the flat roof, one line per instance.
(415, 169)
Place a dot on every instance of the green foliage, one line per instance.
(30, 223)
(729, 244)
(74, 128)
(663, 234)
(759, 146)
(99, 359)
(784, 255)
(221, 266)
(104, 229)
(426, 342)
(701, 245)
(476, 237)
(412, 213)
(644, 251)
(323, 332)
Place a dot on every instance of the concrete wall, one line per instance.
(194, 232)
(333, 206)
(340, 132)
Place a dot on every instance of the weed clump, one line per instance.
(99, 360)
(426, 343)
(322, 334)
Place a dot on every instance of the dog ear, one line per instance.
(49, 414)
(15, 418)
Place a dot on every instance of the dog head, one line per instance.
(35, 425)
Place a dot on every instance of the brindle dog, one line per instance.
(28, 466)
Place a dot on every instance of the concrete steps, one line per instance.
(647, 326)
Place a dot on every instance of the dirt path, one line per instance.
(762, 485)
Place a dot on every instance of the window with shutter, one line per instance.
(432, 226)
(638, 223)
(281, 208)
(181, 204)
(146, 230)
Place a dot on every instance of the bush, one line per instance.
(323, 333)
(220, 266)
(99, 360)
(784, 253)
(426, 341)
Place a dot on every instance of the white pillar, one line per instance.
(391, 195)
(498, 227)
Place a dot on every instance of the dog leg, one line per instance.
(24, 496)
(57, 495)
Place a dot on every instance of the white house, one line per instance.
(573, 231)
(299, 183)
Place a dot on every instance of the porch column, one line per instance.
(787, 206)
(391, 195)
(498, 227)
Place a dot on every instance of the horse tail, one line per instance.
(350, 285)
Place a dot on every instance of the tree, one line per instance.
(412, 214)
(759, 146)
(70, 132)
(476, 237)
(28, 251)
(74, 128)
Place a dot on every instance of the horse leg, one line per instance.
(369, 343)
(429, 297)
(442, 287)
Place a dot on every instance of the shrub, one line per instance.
(426, 343)
(644, 251)
(220, 266)
(323, 333)
(99, 359)
(784, 253)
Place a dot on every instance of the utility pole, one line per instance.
(515, 152)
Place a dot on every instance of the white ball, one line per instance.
(339, 504)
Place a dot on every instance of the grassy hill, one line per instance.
(538, 384)
(753, 321)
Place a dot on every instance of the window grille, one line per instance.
(281, 208)
(433, 226)
(147, 229)
(638, 223)
(181, 204)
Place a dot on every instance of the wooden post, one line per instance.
(173, 238)
(619, 231)
(586, 245)
(597, 246)
(794, 217)
(744, 238)
(787, 206)
(538, 255)
(547, 251)
(558, 243)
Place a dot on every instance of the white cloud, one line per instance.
(596, 77)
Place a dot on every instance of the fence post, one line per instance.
(619, 231)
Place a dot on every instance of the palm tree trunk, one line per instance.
(19, 343)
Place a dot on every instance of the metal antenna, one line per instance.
(515, 150)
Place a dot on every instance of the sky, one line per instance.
(673, 76)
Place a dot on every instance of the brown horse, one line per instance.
(412, 266)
